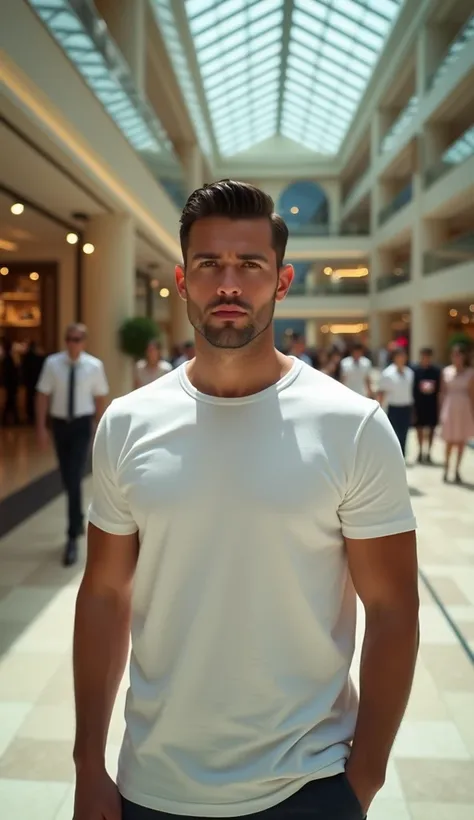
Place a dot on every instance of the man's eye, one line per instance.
(208, 263)
(250, 264)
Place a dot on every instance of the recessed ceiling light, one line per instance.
(328, 271)
(17, 208)
(72, 238)
(453, 313)
(34, 276)
(4, 271)
(295, 210)
(164, 292)
(88, 248)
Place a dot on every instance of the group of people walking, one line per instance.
(423, 396)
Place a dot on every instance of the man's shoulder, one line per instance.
(332, 399)
(54, 358)
(92, 361)
(147, 400)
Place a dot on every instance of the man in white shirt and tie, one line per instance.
(72, 390)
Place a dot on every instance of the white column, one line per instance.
(109, 293)
(311, 333)
(181, 328)
(126, 21)
(429, 328)
(193, 167)
(380, 331)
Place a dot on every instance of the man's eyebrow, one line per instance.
(244, 256)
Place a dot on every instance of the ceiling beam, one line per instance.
(184, 32)
(285, 48)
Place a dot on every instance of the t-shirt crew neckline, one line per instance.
(280, 385)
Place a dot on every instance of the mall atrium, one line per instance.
(357, 116)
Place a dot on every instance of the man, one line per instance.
(426, 392)
(243, 604)
(298, 348)
(356, 370)
(72, 389)
(187, 354)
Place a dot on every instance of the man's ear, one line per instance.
(285, 278)
(180, 281)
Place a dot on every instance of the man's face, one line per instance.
(232, 281)
(426, 359)
(357, 354)
(75, 343)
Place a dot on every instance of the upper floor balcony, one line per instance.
(458, 251)
(457, 153)
(399, 201)
(348, 241)
(463, 39)
(399, 276)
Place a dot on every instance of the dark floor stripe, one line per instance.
(462, 640)
(17, 507)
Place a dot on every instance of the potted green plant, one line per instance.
(135, 334)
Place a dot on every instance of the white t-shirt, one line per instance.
(398, 387)
(355, 373)
(243, 608)
(145, 374)
(90, 382)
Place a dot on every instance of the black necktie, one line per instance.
(71, 390)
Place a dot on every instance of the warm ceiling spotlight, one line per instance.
(465, 320)
(88, 248)
(324, 328)
(34, 276)
(72, 238)
(328, 271)
(453, 313)
(164, 292)
(295, 210)
(4, 271)
(17, 208)
(154, 283)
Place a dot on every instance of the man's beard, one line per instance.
(227, 336)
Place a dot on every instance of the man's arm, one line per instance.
(101, 640)
(384, 573)
(100, 406)
(44, 389)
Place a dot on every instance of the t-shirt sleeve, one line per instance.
(45, 383)
(101, 386)
(109, 510)
(377, 501)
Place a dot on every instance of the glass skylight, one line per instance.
(303, 76)
(332, 51)
(85, 39)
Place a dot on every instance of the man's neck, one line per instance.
(236, 373)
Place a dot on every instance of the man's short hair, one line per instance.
(426, 351)
(234, 200)
(77, 327)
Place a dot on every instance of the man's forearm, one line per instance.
(101, 640)
(386, 675)
(42, 407)
(100, 405)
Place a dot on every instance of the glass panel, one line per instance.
(85, 40)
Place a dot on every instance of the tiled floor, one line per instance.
(431, 774)
(20, 459)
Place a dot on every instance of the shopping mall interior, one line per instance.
(357, 117)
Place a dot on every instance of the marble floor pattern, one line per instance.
(431, 772)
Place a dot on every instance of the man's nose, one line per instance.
(229, 284)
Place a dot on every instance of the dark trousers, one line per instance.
(72, 439)
(400, 418)
(331, 798)
(10, 410)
